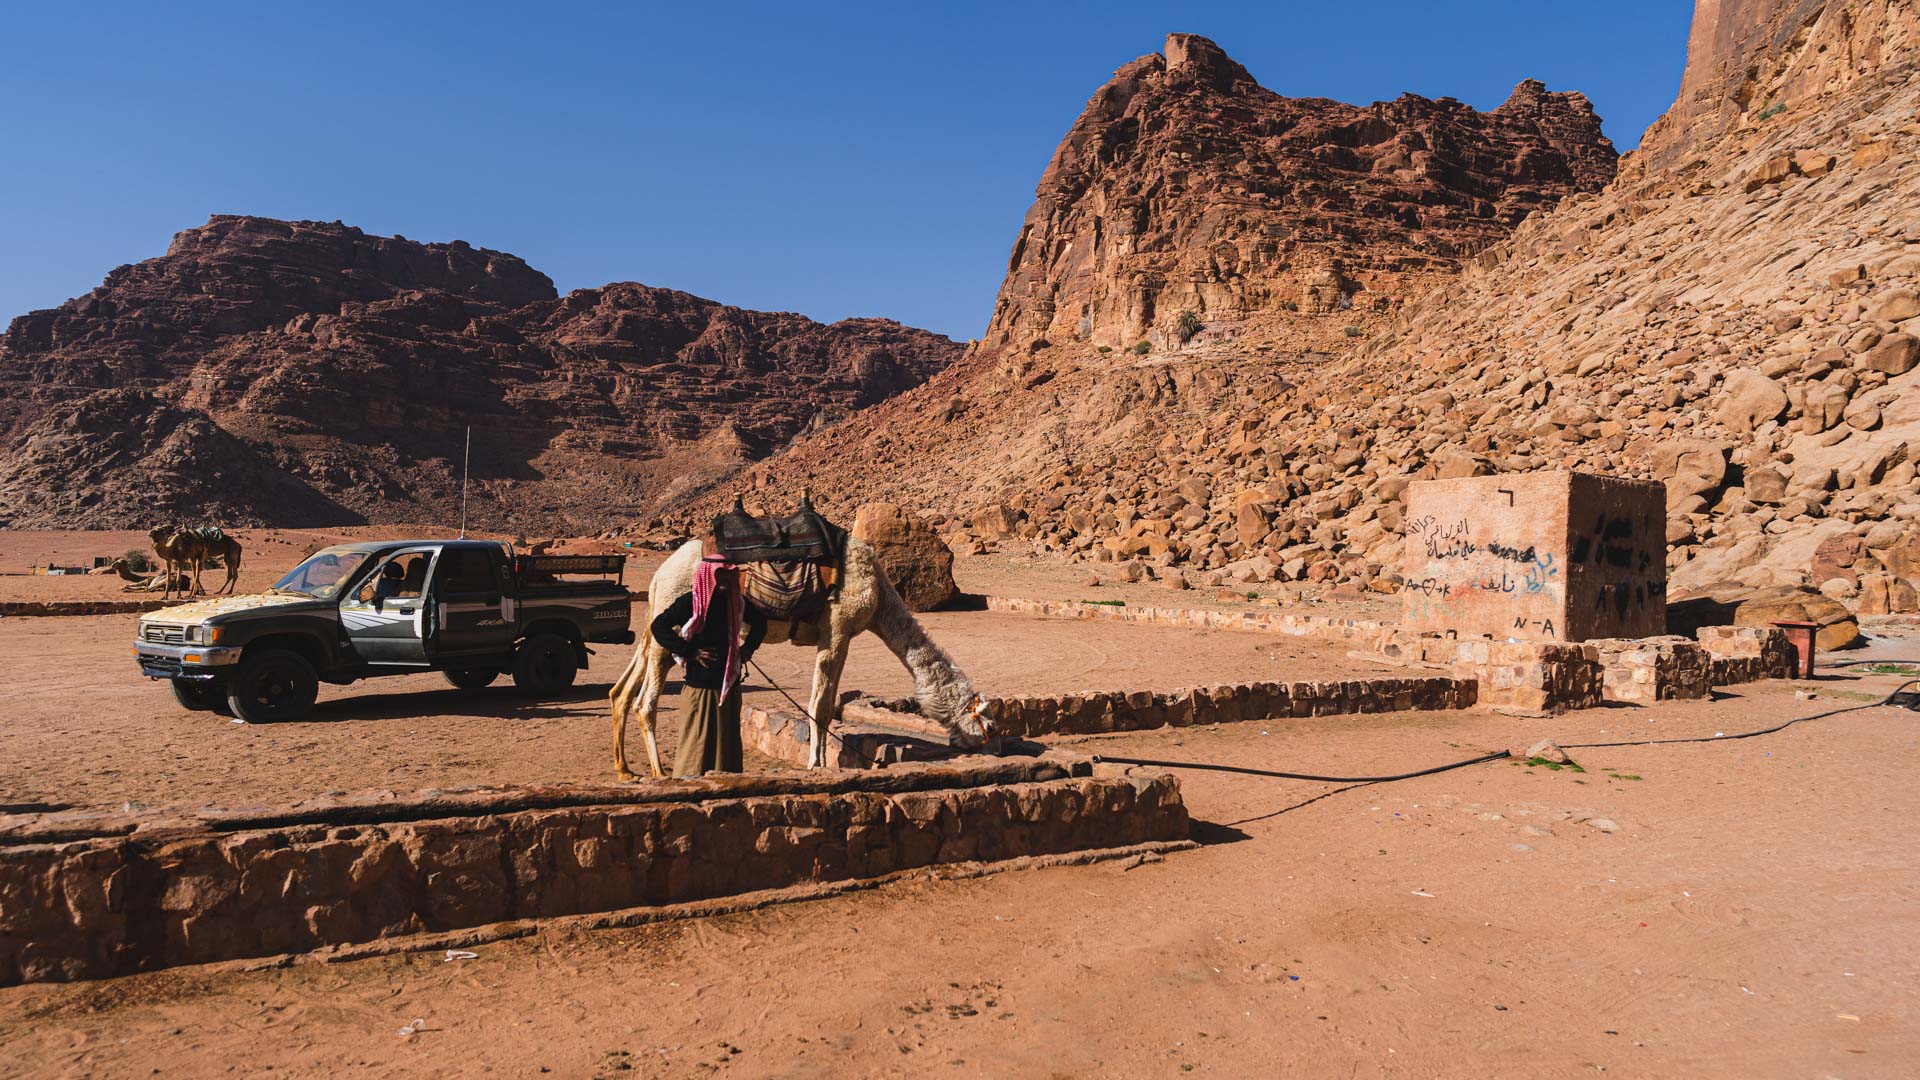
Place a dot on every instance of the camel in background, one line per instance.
(186, 547)
(866, 600)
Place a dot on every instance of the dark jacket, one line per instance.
(712, 636)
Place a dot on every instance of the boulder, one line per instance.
(918, 563)
(1690, 467)
(1749, 399)
(1894, 305)
(1767, 485)
(1896, 354)
(1838, 629)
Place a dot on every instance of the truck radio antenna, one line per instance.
(466, 455)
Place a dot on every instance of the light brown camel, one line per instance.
(183, 547)
(866, 601)
(139, 582)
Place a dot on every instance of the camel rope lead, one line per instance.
(804, 711)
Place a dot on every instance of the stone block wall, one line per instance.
(1739, 654)
(1533, 675)
(1641, 671)
(42, 608)
(88, 896)
(1139, 710)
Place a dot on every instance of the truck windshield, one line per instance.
(321, 575)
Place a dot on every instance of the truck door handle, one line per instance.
(404, 610)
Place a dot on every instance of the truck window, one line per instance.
(403, 577)
(467, 570)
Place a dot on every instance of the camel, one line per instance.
(866, 601)
(183, 547)
(139, 582)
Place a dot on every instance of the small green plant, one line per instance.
(1106, 603)
(138, 561)
(1142, 348)
(1291, 306)
(1891, 669)
(1352, 331)
(1773, 109)
(1552, 766)
(1104, 349)
(1187, 325)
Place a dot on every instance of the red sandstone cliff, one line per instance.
(305, 373)
(1186, 186)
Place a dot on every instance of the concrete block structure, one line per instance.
(1548, 556)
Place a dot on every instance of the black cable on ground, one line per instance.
(1482, 759)
(1888, 700)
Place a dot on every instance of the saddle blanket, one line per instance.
(788, 590)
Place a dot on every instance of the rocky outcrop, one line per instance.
(1186, 187)
(303, 373)
(1749, 61)
(1739, 326)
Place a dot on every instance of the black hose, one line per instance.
(1888, 700)
(1482, 759)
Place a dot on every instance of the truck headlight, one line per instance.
(203, 635)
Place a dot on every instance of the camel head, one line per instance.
(159, 534)
(961, 710)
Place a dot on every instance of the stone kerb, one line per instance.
(88, 896)
(46, 608)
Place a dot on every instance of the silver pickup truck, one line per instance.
(470, 609)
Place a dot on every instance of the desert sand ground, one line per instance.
(1745, 908)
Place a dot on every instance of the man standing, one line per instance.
(702, 628)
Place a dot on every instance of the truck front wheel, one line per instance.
(545, 664)
(272, 686)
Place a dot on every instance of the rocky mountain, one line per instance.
(1185, 186)
(1734, 315)
(306, 373)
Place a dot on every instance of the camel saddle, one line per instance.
(206, 534)
(740, 537)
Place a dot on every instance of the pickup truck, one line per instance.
(469, 609)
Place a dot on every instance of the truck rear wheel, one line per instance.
(471, 678)
(198, 695)
(272, 686)
(545, 664)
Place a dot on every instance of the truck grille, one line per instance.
(163, 633)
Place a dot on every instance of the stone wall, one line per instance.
(1535, 676)
(1107, 711)
(42, 608)
(1641, 671)
(1739, 654)
(88, 896)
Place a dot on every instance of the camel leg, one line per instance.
(166, 566)
(199, 561)
(639, 685)
(233, 570)
(824, 704)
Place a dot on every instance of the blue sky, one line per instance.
(832, 159)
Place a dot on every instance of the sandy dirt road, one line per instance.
(1738, 909)
(1754, 912)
